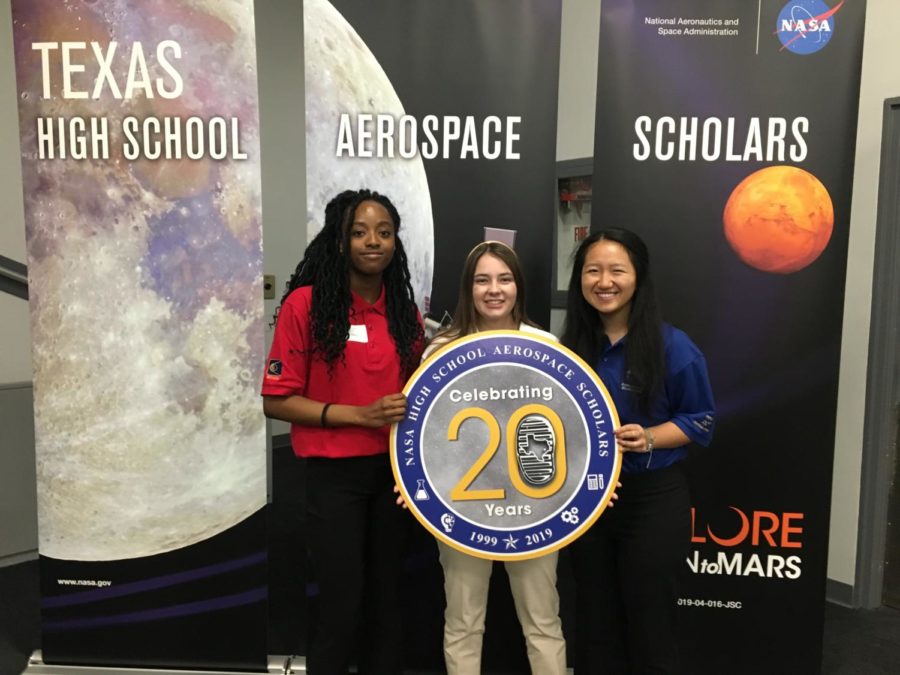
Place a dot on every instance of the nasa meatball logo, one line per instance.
(806, 26)
(507, 449)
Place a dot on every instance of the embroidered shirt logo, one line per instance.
(273, 370)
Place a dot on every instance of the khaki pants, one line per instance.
(533, 584)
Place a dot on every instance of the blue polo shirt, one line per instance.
(686, 398)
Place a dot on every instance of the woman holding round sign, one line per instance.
(626, 565)
(347, 336)
(492, 297)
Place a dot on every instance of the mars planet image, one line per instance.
(145, 283)
(344, 77)
(779, 219)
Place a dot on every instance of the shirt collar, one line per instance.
(360, 305)
(607, 345)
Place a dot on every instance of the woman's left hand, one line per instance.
(399, 501)
(632, 438)
(614, 496)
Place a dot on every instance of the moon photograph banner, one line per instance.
(140, 164)
(739, 119)
(405, 98)
(449, 109)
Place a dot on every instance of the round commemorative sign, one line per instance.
(507, 449)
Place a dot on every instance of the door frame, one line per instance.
(882, 387)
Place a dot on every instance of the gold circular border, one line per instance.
(585, 524)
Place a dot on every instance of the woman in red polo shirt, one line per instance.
(347, 336)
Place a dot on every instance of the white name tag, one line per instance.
(358, 333)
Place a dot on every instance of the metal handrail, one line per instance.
(13, 277)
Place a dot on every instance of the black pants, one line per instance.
(357, 537)
(625, 570)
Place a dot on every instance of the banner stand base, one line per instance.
(280, 664)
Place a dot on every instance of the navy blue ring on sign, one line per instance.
(507, 449)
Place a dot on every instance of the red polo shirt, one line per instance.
(370, 369)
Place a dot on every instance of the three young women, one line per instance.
(626, 565)
(347, 336)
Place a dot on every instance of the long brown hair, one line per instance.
(465, 318)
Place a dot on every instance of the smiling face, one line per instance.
(494, 293)
(372, 238)
(608, 280)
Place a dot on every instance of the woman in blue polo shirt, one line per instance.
(347, 336)
(626, 565)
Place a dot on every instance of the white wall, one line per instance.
(579, 47)
(15, 337)
(12, 230)
(880, 80)
(18, 487)
(580, 44)
(18, 508)
(279, 30)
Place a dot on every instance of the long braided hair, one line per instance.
(326, 267)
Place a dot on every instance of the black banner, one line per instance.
(203, 606)
(725, 137)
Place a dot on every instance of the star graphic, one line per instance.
(510, 542)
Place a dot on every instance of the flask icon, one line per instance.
(421, 494)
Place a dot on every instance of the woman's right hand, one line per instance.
(632, 438)
(386, 410)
